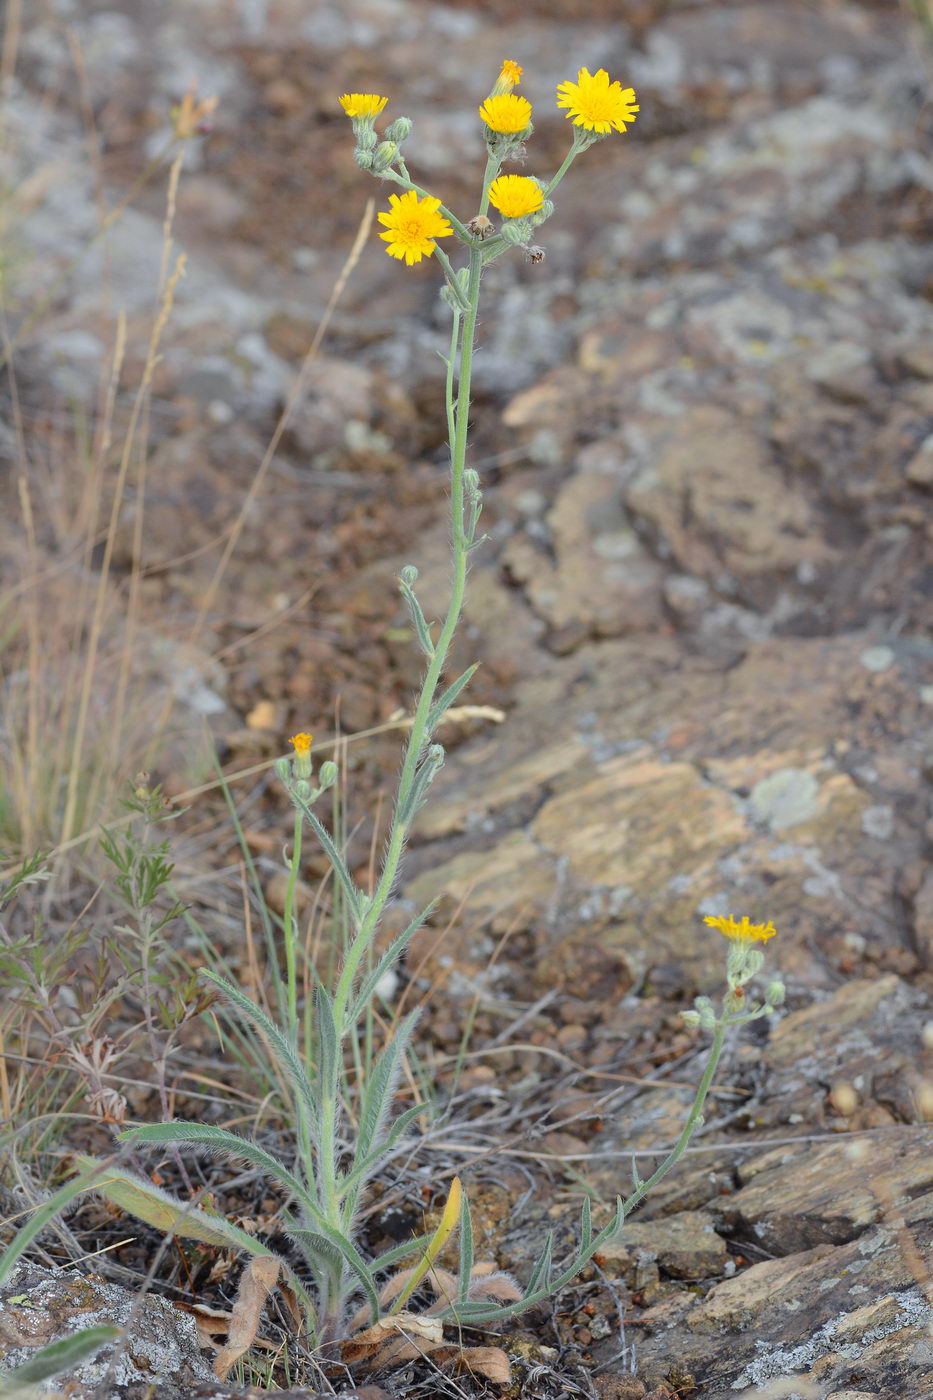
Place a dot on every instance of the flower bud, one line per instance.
(399, 130)
(775, 994)
(545, 212)
(409, 575)
(366, 139)
(283, 771)
(302, 789)
(690, 1019)
(515, 231)
(471, 481)
(364, 159)
(327, 774)
(384, 155)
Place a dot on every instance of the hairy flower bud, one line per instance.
(327, 774)
(399, 130)
(409, 575)
(384, 155)
(515, 231)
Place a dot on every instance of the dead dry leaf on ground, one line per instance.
(393, 1340)
(489, 1362)
(257, 1281)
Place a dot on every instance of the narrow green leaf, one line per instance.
(44, 1213)
(330, 1065)
(139, 1197)
(418, 619)
(444, 701)
(391, 1257)
(379, 1088)
(586, 1226)
(389, 958)
(218, 1139)
(58, 1356)
(281, 1046)
(542, 1269)
(465, 1269)
(338, 864)
(349, 1253)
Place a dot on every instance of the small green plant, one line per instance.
(325, 1186)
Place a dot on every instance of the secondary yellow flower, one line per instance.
(301, 743)
(515, 196)
(596, 104)
(412, 224)
(743, 932)
(362, 104)
(511, 72)
(506, 113)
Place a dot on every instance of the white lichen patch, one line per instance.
(908, 1309)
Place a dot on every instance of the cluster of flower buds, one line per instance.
(415, 220)
(296, 772)
(744, 962)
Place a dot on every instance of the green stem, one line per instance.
(419, 734)
(404, 179)
(568, 160)
(291, 929)
(693, 1120)
(451, 364)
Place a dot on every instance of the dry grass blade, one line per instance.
(258, 1279)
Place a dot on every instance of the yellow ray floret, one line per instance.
(508, 113)
(512, 72)
(412, 224)
(596, 104)
(301, 743)
(743, 932)
(362, 104)
(515, 196)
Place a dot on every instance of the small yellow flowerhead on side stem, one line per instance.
(364, 106)
(597, 105)
(412, 224)
(301, 762)
(509, 77)
(507, 115)
(744, 961)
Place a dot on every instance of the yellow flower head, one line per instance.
(362, 104)
(515, 196)
(511, 72)
(743, 932)
(412, 224)
(506, 113)
(301, 743)
(596, 104)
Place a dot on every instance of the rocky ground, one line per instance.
(705, 426)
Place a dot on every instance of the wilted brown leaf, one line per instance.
(489, 1362)
(258, 1279)
(210, 1322)
(393, 1339)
